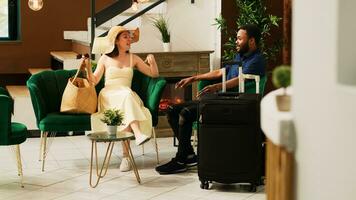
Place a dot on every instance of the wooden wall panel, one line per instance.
(42, 32)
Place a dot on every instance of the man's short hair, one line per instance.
(252, 31)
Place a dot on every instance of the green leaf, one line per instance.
(113, 117)
(161, 24)
(252, 12)
(220, 22)
(281, 76)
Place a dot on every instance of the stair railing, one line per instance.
(111, 11)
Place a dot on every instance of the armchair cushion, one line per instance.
(18, 133)
(65, 122)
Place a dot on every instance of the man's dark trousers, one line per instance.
(181, 118)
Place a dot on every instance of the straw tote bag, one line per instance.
(79, 96)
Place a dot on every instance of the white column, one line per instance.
(323, 40)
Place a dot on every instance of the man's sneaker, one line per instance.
(192, 160)
(171, 167)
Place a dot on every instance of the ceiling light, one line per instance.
(35, 4)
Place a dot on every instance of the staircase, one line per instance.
(103, 21)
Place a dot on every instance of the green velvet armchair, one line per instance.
(11, 133)
(46, 89)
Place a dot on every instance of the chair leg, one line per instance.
(41, 146)
(44, 149)
(132, 161)
(46, 145)
(155, 141)
(19, 164)
(155, 144)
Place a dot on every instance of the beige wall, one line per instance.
(42, 32)
(191, 29)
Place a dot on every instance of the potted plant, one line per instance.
(162, 25)
(112, 118)
(251, 12)
(281, 78)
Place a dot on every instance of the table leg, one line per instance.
(104, 165)
(132, 161)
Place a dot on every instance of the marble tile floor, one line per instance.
(66, 175)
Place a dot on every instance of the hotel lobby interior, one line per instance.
(303, 151)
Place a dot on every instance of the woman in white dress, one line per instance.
(117, 64)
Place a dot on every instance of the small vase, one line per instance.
(283, 102)
(112, 130)
(166, 46)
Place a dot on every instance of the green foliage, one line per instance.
(162, 25)
(220, 22)
(113, 117)
(251, 12)
(281, 76)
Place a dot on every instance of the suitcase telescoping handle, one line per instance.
(223, 71)
(242, 78)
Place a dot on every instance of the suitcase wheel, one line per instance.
(204, 185)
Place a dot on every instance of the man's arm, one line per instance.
(256, 67)
(215, 74)
(234, 82)
(218, 86)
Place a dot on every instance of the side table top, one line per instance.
(103, 136)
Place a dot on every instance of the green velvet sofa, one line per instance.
(46, 89)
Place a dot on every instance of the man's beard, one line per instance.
(243, 49)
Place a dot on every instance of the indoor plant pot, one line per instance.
(283, 102)
(281, 78)
(166, 46)
(162, 25)
(112, 130)
(112, 118)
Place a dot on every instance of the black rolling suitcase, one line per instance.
(230, 139)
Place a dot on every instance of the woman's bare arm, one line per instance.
(149, 69)
(99, 71)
